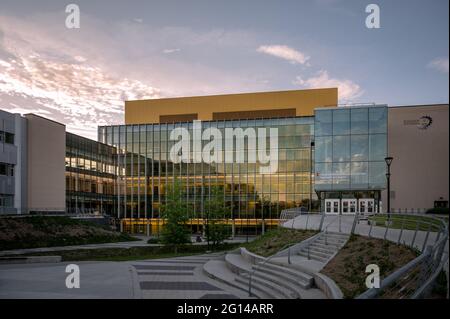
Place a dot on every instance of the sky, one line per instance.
(127, 50)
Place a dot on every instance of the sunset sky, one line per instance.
(128, 50)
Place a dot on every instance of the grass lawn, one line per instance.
(275, 239)
(408, 221)
(51, 231)
(348, 267)
(133, 253)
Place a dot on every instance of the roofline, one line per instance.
(419, 105)
(44, 118)
(242, 93)
(89, 139)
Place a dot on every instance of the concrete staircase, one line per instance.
(269, 279)
(324, 247)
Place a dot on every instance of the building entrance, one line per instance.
(350, 206)
(332, 206)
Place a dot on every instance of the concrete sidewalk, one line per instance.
(128, 244)
(174, 278)
(113, 280)
(344, 223)
(141, 243)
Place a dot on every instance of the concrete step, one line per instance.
(280, 291)
(258, 290)
(290, 282)
(333, 238)
(317, 253)
(322, 248)
(329, 242)
(303, 280)
(313, 256)
(289, 286)
(218, 270)
(237, 264)
(336, 235)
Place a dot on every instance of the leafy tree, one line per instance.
(174, 211)
(216, 230)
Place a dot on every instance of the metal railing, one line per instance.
(416, 278)
(403, 226)
(325, 231)
(259, 265)
(292, 213)
(289, 214)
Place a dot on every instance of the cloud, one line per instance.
(347, 89)
(284, 52)
(168, 51)
(81, 78)
(439, 64)
(36, 76)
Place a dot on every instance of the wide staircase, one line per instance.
(269, 279)
(324, 246)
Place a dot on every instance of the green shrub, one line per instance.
(153, 240)
(438, 210)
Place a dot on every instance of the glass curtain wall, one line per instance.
(90, 176)
(145, 170)
(350, 144)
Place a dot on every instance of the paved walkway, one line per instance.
(181, 278)
(343, 223)
(127, 244)
(175, 278)
(112, 280)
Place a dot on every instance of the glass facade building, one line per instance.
(351, 145)
(91, 172)
(145, 170)
(332, 160)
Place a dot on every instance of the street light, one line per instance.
(388, 161)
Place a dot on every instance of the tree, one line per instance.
(174, 211)
(216, 230)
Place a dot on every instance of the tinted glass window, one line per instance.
(341, 122)
(359, 147)
(323, 123)
(359, 121)
(377, 147)
(377, 120)
(341, 148)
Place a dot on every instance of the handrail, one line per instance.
(434, 251)
(260, 264)
(296, 210)
(332, 221)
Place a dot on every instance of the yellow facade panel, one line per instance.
(304, 101)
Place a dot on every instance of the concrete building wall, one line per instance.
(8, 155)
(418, 140)
(21, 169)
(46, 164)
(203, 107)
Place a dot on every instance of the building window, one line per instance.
(6, 200)
(6, 169)
(6, 137)
(354, 141)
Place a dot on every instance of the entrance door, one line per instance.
(332, 206)
(349, 206)
(366, 206)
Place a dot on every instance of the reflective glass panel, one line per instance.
(359, 147)
(341, 122)
(341, 148)
(359, 121)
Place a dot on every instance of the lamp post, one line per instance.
(388, 161)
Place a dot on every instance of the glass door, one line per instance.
(332, 206)
(366, 206)
(349, 206)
